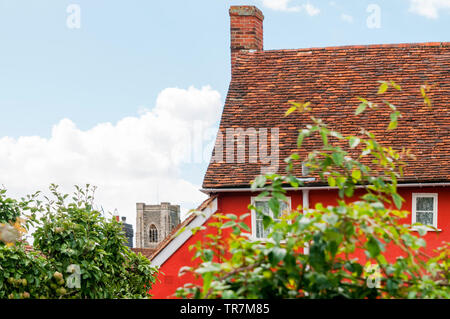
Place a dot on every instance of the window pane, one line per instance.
(283, 206)
(424, 203)
(260, 232)
(425, 218)
(264, 207)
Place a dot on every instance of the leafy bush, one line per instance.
(346, 243)
(78, 253)
(23, 274)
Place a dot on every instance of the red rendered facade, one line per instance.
(237, 203)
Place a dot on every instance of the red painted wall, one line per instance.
(237, 203)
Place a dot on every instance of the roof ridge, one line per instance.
(356, 46)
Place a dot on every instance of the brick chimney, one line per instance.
(246, 24)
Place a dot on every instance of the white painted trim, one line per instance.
(305, 204)
(305, 198)
(179, 240)
(248, 189)
(414, 208)
(253, 214)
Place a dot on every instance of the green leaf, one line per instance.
(394, 121)
(397, 200)
(354, 268)
(331, 181)
(208, 267)
(374, 247)
(290, 110)
(300, 138)
(427, 101)
(391, 106)
(422, 230)
(208, 255)
(244, 226)
(396, 86)
(277, 237)
(243, 216)
(422, 90)
(276, 255)
(353, 141)
(274, 206)
(228, 224)
(267, 221)
(356, 174)
(338, 158)
(317, 254)
(383, 87)
(349, 191)
(324, 136)
(306, 106)
(361, 108)
(259, 182)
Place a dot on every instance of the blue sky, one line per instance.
(58, 84)
(126, 52)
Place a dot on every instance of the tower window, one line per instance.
(153, 233)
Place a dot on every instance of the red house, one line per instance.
(263, 83)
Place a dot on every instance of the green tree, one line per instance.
(78, 253)
(234, 266)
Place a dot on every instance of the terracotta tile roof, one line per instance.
(331, 78)
(185, 223)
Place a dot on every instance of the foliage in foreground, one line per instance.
(347, 243)
(77, 252)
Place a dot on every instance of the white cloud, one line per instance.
(310, 9)
(429, 8)
(130, 161)
(347, 18)
(283, 5)
(280, 5)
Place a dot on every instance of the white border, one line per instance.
(414, 208)
(179, 240)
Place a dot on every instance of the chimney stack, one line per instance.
(246, 24)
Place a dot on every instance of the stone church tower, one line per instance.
(154, 223)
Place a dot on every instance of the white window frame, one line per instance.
(414, 210)
(255, 199)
